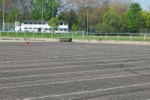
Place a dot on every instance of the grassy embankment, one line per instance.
(136, 37)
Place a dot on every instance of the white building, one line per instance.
(37, 26)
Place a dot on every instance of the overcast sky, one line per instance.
(144, 3)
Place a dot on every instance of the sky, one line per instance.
(144, 4)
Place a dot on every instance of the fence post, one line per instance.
(144, 37)
(42, 33)
(24, 34)
(52, 35)
(130, 37)
(83, 35)
(106, 36)
(72, 35)
(118, 36)
(61, 34)
(94, 35)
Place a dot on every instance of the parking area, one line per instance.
(74, 71)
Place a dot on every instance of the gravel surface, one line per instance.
(74, 71)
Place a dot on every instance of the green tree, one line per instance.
(112, 19)
(63, 16)
(134, 22)
(146, 16)
(103, 28)
(81, 23)
(124, 17)
(74, 27)
(70, 16)
(49, 9)
(92, 29)
(1, 16)
(14, 15)
(141, 23)
(82, 17)
(53, 23)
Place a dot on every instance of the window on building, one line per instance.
(65, 23)
(35, 23)
(35, 28)
(61, 23)
(30, 28)
(39, 23)
(25, 23)
(30, 23)
(25, 28)
(61, 29)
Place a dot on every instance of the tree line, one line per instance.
(109, 16)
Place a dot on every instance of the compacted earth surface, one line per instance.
(74, 71)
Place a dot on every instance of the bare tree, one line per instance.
(120, 6)
(8, 6)
(25, 9)
(22, 5)
(95, 8)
